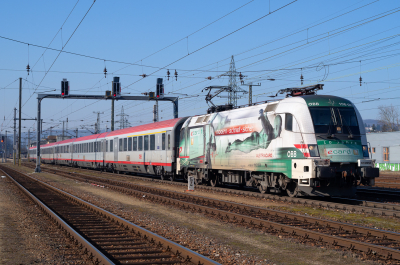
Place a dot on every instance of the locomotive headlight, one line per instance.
(365, 151)
(313, 148)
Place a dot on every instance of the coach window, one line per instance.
(169, 142)
(130, 144)
(140, 143)
(120, 145)
(288, 122)
(163, 141)
(152, 142)
(111, 145)
(386, 154)
(106, 145)
(146, 142)
(134, 140)
(125, 144)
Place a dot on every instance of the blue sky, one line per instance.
(322, 40)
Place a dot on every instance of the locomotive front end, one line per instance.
(339, 161)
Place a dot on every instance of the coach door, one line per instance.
(103, 148)
(115, 148)
(168, 144)
(70, 151)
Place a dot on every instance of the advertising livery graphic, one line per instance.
(234, 139)
(260, 139)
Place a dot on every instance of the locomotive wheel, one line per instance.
(214, 182)
(262, 189)
(292, 190)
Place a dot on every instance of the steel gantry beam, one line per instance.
(40, 97)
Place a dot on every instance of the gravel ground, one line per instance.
(222, 242)
(369, 220)
(27, 236)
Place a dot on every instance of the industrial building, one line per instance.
(384, 147)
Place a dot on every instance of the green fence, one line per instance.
(388, 166)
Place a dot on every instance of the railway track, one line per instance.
(107, 238)
(352, 205)
(373, 243)
(379, 192)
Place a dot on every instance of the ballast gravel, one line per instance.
(27, 236)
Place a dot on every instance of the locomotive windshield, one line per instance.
(333, 120)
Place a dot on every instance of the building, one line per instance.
(384, 147)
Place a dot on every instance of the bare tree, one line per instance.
(389, 117)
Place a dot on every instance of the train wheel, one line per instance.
(172, 177)
(292, 190)
(214, 182)
(262, 189)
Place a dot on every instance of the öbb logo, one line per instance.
(292, 153)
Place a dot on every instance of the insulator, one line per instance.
(360, 80)
(240, 76)
(168, 74)
(176, 75)
(105, 72)
(301, 79)
(28, 68)
(143, 75)
(209, 78)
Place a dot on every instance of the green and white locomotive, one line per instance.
(305, 144)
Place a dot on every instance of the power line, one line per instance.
(94, 1)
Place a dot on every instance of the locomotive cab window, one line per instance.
(152, 142)
(288, 122)
(334, 120)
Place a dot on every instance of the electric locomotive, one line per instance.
(305, 144)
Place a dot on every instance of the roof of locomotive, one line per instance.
(325, 101)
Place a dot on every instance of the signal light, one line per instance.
(2, 139)
(159, 88)
(64, 87)
(116, 86)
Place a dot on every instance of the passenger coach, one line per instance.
(144, 149)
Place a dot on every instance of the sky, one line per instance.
(329, 42)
